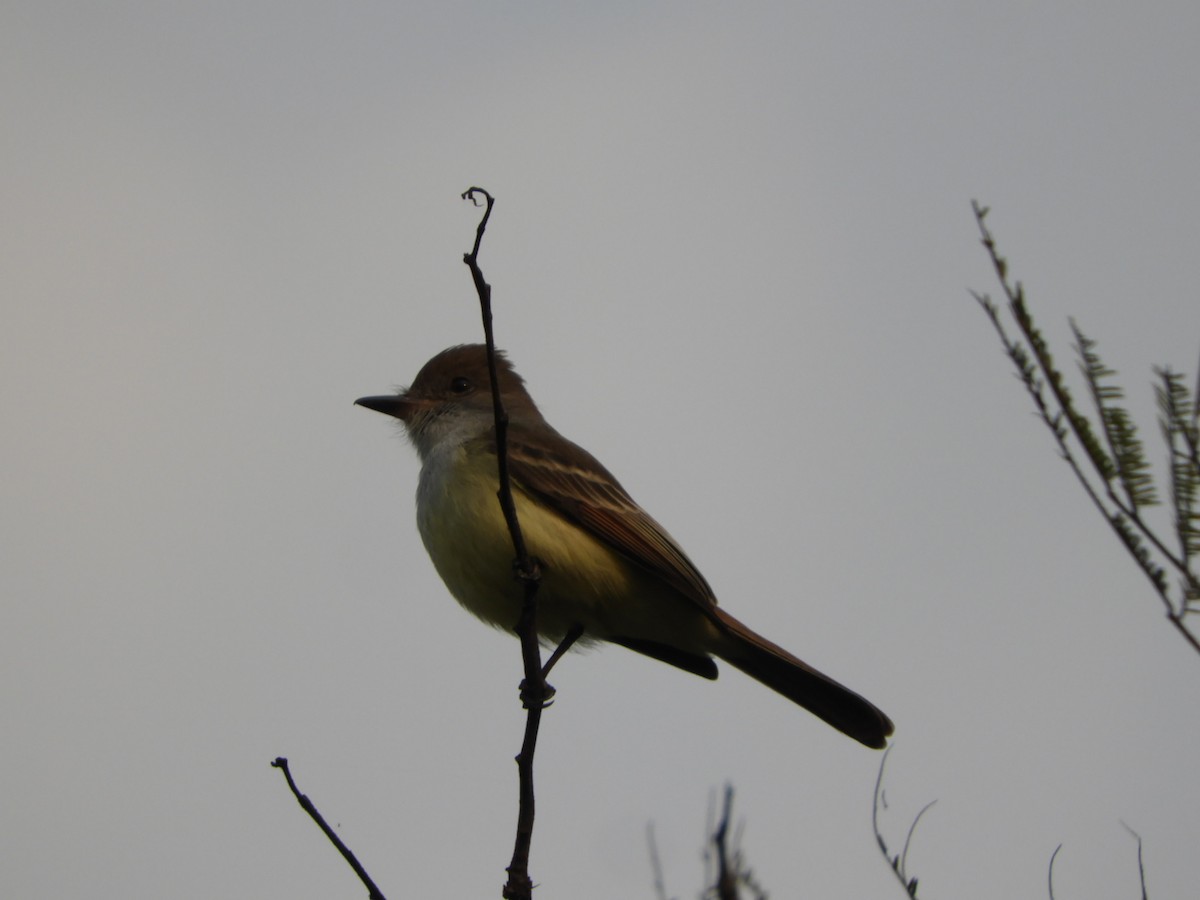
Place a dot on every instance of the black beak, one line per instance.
(389, 404)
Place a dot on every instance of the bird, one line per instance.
(609, 571)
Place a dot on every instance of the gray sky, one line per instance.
(731, 255)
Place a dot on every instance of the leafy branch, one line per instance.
(1114, 471)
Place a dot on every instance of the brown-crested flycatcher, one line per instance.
(607, 567)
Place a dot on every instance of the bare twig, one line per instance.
(527, 568)
(307, 805)
(533, 692)
(660, 888)
(731, 873)
(1050, 873)
(1141, 864)
(912, 829)
(899, 862)
(726, 886)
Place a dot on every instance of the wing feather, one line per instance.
(572, 481)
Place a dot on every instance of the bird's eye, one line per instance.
(460, 385)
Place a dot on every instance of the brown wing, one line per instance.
(568, 478)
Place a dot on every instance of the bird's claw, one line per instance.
(540, 696)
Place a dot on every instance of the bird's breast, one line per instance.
(584, 581)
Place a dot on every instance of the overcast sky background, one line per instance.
(731, 254)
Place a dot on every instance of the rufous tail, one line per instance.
(770, 664)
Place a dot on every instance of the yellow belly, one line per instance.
(584, 580)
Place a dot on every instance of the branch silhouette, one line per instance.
(534, 692)
(898, 861)
(1116, 476)
(309, 807)
(729, 873)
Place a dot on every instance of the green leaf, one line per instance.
(1129, 465)
(1177, 421)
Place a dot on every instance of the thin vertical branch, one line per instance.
(1050, 872)
(519, 885)
(1141, 863)
(660, 885)
(899, 861)
(729, 874)
(726, 886)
